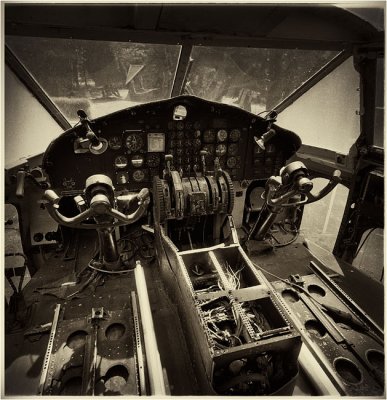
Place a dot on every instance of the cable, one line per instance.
(109, 272)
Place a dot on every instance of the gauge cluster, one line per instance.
(208, 135)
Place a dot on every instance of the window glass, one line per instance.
(321, 220)
(379, 104)
(327, 115)
(97, 76)
(253, 79)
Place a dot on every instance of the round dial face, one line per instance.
(221, 150)
(134, 142)
(210, 148)
(209, 136)
(115, 143)
(197, 143)
(221, 135)
(180, 135)
(137, 161)
(233, 149)
(231, 162)
(138, 175)
(153, 160)
(122, 178)
(120, 162)
(235, 135)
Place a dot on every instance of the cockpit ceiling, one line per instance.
(320, 25)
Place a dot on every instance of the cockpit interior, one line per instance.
(193, 199)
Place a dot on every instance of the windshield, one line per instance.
(253, 79)
(97, 76)
(101, 77)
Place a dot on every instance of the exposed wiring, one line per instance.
(109, 272)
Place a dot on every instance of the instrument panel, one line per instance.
(138, 139)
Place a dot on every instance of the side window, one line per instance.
(370, 252)
(321, 220)
(326, 116)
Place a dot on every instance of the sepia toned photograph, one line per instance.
(193, 199)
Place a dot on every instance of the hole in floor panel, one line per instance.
(76, 340)
(348, 370)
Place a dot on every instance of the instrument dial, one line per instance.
(134, 142)
(138, 175)
(137, 161)
(231, 162)
(153, 160)
(233, 149)
(221, 150)
(120, 162)
(222, 135)
(209, 136)
(210, 148)
(197, 143)
(235, 135)
(122, 178)
(115, 143)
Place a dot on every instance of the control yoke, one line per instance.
(291, 188)
(99, 203)
(294, 181)
(102, 210)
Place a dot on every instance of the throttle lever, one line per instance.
(336, 178)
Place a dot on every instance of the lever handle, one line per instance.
(20, 179)
(336, 178)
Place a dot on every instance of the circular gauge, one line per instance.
(134, 142)
(209, 136)
(210, 148)
(233, 149)
(137, 161)
(122, 178)
(153, 160)
(120, 162)
(180, 125)
(138, 175)
(197, 143)
(235, 135)
(180, 135)
(115, 143)
(221, 135)
(231, 162)
(221, 150)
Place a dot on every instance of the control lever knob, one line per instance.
(169, 157)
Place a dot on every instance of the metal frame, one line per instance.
(33, 86)
(313, 80)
